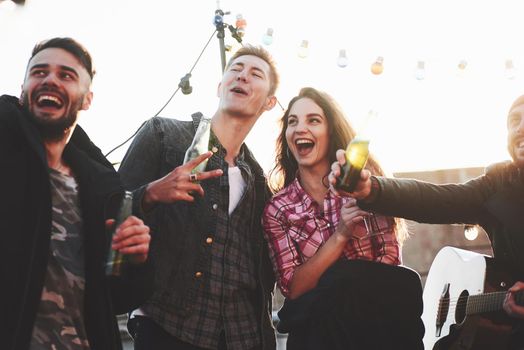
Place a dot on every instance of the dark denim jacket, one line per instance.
(158, 149)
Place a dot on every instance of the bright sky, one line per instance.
(141, 49)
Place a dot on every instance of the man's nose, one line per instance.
(50, 79)
(242, 75)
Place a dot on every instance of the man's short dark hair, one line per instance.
(71, 46)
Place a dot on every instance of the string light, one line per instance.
(342, 60)
(303, 49)
(240, 25)
(510, 70)
(7, 5)
(378, 66)
(267, 39)
(420, 71)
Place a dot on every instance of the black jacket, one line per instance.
(157, 150)
(25, 217)
(494, 201)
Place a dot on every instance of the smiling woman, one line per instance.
(313, 233)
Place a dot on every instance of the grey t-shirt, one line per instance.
(59, 323)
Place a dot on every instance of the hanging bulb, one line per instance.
(378, 66)
(461, 68)
(510, 70)
(241, 24)
(303, 49)
(471, 232)
(420, 71)
(7, 5)
(342, 60)
(267, 39)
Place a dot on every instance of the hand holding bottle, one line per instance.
(129, 235)
(356, 156)
(362, 187)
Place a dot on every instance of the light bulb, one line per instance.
(7, 5)
(461, 68)
(303, 49)
(342, 60)
(510, 71)
(241, 24)
(267, 39)
(378, 66)
(420, 71)
(471, 232)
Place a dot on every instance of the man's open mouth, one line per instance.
(48, 100)
(239, 90)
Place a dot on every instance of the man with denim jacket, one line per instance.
(213, 278)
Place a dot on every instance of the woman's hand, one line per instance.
(350, 216)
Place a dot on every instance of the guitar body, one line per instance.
(460, 285)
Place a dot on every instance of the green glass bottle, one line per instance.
(357, 154)
(199, 145)
(116, 260)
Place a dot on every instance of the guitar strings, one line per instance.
(451, 304)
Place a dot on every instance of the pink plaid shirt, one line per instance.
(295, 228)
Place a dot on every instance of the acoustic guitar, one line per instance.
(463, 298)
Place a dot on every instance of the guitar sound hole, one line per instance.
(462, 303)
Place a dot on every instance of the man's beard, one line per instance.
(54, 130)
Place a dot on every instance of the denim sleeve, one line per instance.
(141, 164)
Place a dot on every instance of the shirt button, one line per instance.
(214, 149)
(215, 206)
(198, 274)
(209, 240)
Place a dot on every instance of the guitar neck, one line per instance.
(488, 302)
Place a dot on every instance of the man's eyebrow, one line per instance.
(237, 64)
(46, 65)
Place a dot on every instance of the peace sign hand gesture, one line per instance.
(179, 185)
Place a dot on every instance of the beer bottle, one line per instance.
(199, 145)
(357, 154)
(117, 260)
